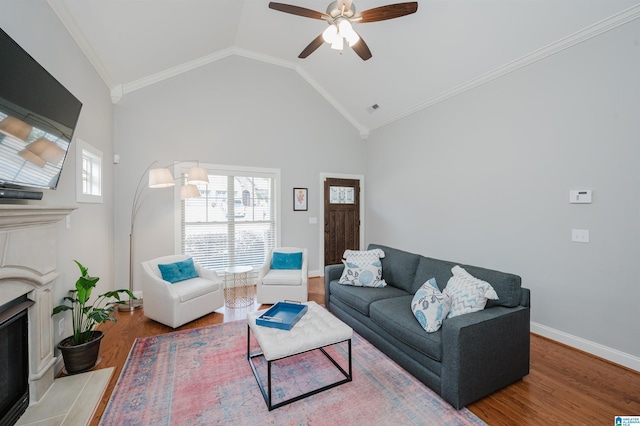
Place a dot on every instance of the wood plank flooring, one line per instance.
(565, 386)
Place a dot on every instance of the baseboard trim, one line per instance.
(601, 351)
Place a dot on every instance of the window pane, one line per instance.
(232, 223)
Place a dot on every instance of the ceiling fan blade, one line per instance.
(317, 42)
(362, 49)
(389, 11)
(297, 10)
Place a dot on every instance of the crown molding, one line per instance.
(72, 28)
(174, 71)
(364, 132)
(120, 90)
(578, 37)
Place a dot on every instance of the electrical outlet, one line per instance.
(60, 326)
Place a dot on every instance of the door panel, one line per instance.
(341, 218)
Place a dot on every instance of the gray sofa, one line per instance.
(470, 357)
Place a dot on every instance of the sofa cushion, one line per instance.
(195, 287)
(282, 277)
(394, 316)
(398, 267)
(430, 306)
(468, 293)
(178, 271)
(359, 298)
(507, 286)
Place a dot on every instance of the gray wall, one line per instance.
(484, 179)
(239, 112)
(90, 239)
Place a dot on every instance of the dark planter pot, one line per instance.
(80, 358)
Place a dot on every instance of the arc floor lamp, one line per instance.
(159, 177)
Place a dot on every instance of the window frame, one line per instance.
(81, 148)
(182, 168)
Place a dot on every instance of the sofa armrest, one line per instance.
(331, 273)
(484, 351)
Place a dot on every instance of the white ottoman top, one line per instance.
(317, 328)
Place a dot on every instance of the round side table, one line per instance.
(238, 292)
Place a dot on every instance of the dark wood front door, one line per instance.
(341, 218)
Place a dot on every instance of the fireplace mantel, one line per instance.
(28, 252)
(19, 216)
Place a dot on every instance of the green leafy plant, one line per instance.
(84, 315)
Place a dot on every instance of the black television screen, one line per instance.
(37, 118)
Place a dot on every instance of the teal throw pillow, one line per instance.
(286, 260)
(179, 271)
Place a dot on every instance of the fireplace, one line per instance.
(27, 277)
(14, 360)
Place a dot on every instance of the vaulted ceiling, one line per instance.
(446, 47)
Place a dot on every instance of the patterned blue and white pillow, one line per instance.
(430, 307)
(467, 293)
(363, 268)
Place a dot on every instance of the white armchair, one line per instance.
(276, 285)
(179, 303)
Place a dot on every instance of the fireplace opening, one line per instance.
(14, 360)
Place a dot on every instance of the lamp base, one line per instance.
(131, 305)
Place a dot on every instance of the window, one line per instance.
(235, 220)
(89, 171)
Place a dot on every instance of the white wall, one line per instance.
(484, 179)
(90, 239)
(236, 111)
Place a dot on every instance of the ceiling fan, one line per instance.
(340, 15)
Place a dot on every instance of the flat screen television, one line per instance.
(38, 116)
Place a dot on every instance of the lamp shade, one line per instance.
(160, 178)
(47, 150)
(189, 191)
(197, 176)
(15, 128)
(32, 158)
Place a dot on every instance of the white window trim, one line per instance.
(81, 197)
(183, 167)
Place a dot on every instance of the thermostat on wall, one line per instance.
(581, 196)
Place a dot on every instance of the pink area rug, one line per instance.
(202, 377)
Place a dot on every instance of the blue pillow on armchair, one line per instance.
(286, 260)
(179, 271)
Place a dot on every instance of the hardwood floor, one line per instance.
(565, 386)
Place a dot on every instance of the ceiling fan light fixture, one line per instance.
(352, 38)
(346, 31)
(344, 27)
(338, 43)
(330, 34)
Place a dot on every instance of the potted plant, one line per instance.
(80, 351)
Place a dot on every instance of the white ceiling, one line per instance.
(446, 47)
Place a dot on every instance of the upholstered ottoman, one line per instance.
(317, 329)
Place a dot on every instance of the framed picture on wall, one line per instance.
(300, 199)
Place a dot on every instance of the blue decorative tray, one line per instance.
(282, 315)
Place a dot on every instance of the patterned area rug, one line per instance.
(202, 376)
